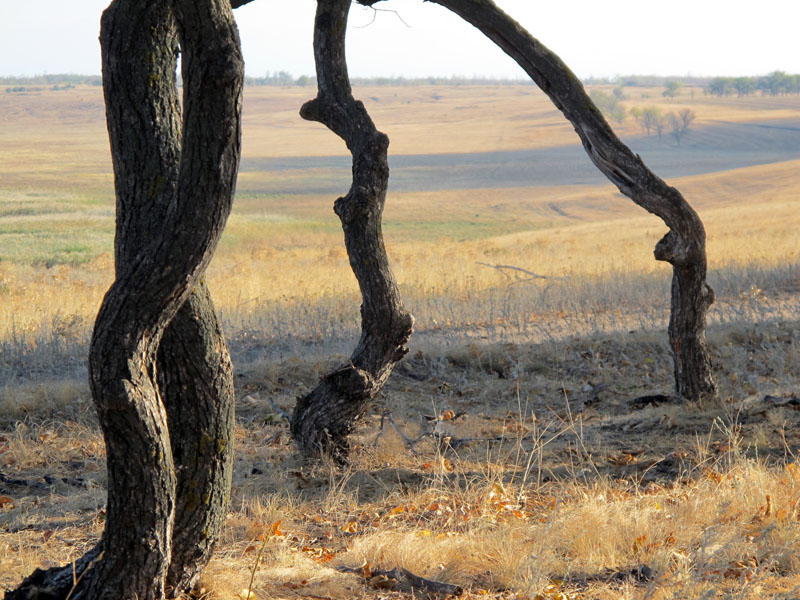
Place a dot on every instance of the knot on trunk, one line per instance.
(354, 207)
(672, 249)
(401, 333)
(351, 382)
(331, 114)
(322, 420)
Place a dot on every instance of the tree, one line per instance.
(322, 420)
(609, 105)
(636, 113)
(744, 86)
(651, 116)
(683, 246)
(686, 117)
(648, 117)
(777, 82)
(676, 129)
(720, 86)
(659, 122)
(160, 372)
(680, 123)
(673, 88)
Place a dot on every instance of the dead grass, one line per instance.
(306, 277)
(281, 264)
(564, 489)
(555, 484)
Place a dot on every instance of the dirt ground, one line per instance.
(586, 410)
(591, 408)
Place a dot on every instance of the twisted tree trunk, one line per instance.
(174, 193)
(195, 378)
(322, 420)
(683, 247)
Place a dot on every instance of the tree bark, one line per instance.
(174, 194)
(195, 378)
(683, 247)
(322, 420)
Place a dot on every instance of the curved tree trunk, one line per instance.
(683, 247)
(174, 194)
(153, 285)
(195, 378)
(322, 420)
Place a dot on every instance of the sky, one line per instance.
(412, 38)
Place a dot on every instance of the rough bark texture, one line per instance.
(323, 419)
(196, 384)
(683, 246)
(174, 193)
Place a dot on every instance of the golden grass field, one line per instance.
(561, 487)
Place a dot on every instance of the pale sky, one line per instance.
(595, 38)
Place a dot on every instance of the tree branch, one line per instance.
(684, 247)
(531, 274)
(612, 157)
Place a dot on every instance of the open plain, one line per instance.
(533, 450)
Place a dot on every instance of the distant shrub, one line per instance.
(609, 105)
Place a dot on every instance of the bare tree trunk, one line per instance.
(195, 378)
(683, 247)
(323, 419)
(174, 194)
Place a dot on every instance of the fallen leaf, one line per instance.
(276, 529)
(350, 527)
(365, 570)
(622, 459)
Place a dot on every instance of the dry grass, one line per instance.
(566, 485)
(273, 278)
(561, 491)
(273, 267)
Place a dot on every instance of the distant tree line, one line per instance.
(278, 78)
(646, 81)
(284, 78)
(776, 83)
(60, 79)
(21, 89)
